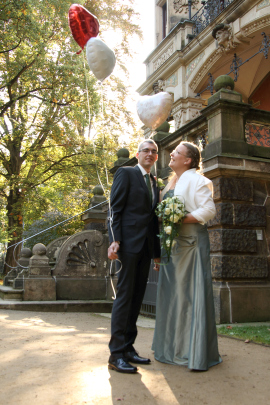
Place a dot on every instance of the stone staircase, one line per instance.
(10, 293)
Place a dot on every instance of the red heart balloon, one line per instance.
(83, 25)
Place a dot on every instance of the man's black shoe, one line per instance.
(135, 358)
(122, 366)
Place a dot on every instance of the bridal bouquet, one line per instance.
(171, 210)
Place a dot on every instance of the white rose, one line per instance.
(174, 218)
(167, 211)
(168, 243)
(168, 230)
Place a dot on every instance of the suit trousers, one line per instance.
(131, 285)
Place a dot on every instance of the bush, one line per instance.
(47, 221)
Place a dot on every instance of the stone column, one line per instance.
(39, 285)
(240, 233)
(95, 219)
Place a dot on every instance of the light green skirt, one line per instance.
(185, 331)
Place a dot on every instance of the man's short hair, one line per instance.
(147, 141)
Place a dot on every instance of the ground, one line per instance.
(61, 358)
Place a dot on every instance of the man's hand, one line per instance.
(156, 261)
(112, 251)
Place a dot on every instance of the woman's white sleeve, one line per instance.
(204, 201)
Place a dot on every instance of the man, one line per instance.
(133, 235)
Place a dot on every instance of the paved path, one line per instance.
(61, 358)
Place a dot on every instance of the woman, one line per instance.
(185, 332)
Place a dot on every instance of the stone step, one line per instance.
(10, 294)
(98, 306)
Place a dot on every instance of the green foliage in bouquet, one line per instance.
(171, 210)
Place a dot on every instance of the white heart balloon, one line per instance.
(100, 58)
(154, 110)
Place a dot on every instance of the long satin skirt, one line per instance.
(185, 331)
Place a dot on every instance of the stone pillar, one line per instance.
(226, 120)
(240, 232)
(95, 219)
(39, 286)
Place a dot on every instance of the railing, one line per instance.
(207, 13)
(238, 62)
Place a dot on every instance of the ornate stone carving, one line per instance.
(172, 81)
(54, 246)
(82, 255)
(159, 86)
(181, 6)
(256, 25)
(204, 69)
(192, 65)
(161, 59)
(177, 119)
(263, 4)
(185, 110)
(223, 34)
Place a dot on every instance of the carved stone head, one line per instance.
(222, 33)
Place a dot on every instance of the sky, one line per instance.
(141, 49)
(146, 8)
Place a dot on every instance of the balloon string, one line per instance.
(44, 230)
(110, 219)
(110, 209)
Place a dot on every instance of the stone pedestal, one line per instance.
(39, 289)
(82, 267)
(226, 124)
(39, 285)
(240, 232)
(95, 219)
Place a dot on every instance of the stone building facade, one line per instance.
(198, 44)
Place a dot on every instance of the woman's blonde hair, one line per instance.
(193, 152)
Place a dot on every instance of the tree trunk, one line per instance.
(15, 227)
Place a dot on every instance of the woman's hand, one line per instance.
(189, 219)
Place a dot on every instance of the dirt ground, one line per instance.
(61, 358)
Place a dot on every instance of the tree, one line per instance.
(45, 94)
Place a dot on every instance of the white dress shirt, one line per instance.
(196, 191)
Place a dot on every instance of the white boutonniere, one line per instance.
(160, 183)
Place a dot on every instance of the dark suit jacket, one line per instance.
(134, 219)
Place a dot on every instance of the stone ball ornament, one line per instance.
(224, 82)
(154, 110)
(98, 190)
(39, 249)
(26, 252)
(122, 153)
